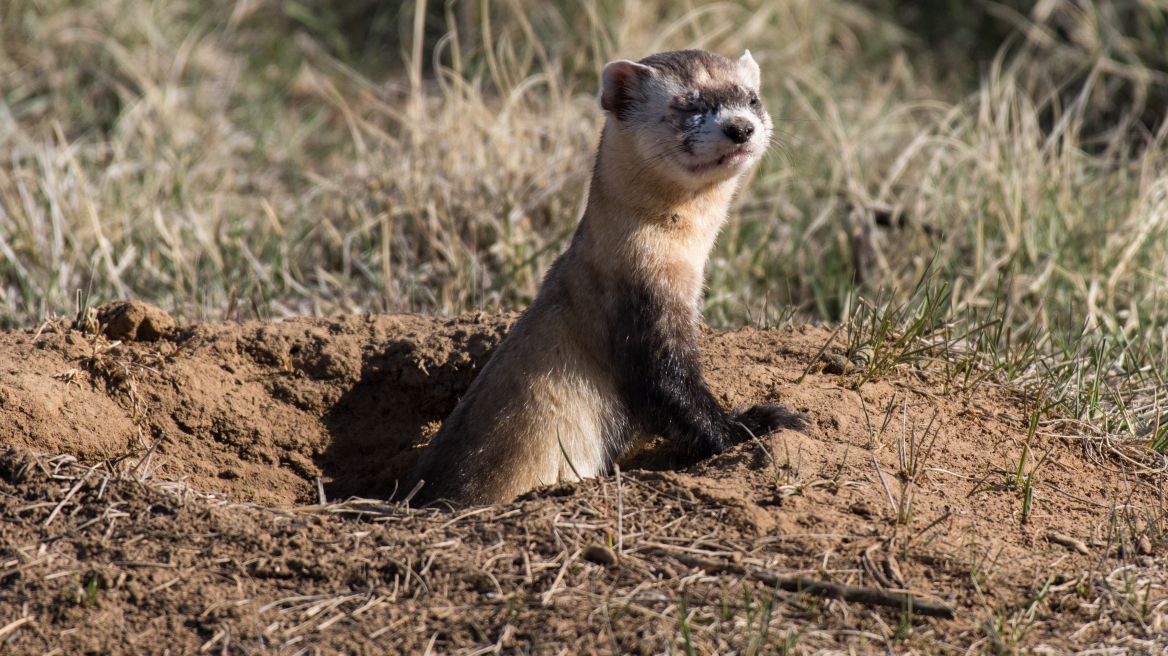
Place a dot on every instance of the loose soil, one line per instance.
(221, 489)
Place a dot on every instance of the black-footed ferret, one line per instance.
(606, 356)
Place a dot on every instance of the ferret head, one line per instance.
(693, 116)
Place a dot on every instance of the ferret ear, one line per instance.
(750, 70)
(618, 84)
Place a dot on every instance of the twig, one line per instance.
(406, 501)
(759, 443)
(879, 473)
(872, 568)
(145, 459)
(430, 645)
(469, 513)
(72, 491)
(799, 584)
(1069, 542)
(620, 512)
(547, 596)
(821, 350)
(409, 571)
(12, 626)
(566, 456)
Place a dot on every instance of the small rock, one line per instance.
(133, 321)
(836, 364)
(1144, 546)
(839, 364)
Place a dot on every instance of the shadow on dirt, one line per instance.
(379, 427)
(406, 386)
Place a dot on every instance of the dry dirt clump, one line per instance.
(153, 496)
(133, 321)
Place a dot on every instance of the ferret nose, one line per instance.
(739, 130)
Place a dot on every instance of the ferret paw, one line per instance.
(766, 417)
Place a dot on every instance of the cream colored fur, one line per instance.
(549, 390)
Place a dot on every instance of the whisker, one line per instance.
(793, 136)
(659, 156)
(787, 156)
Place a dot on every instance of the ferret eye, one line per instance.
(754, 100)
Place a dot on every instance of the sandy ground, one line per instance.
(166, 495)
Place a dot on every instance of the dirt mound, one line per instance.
(172, 517)
(255, 411)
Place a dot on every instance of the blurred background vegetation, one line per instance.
(252, 159)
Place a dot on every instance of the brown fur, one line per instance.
(553, 387)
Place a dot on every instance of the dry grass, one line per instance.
(221, 163)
